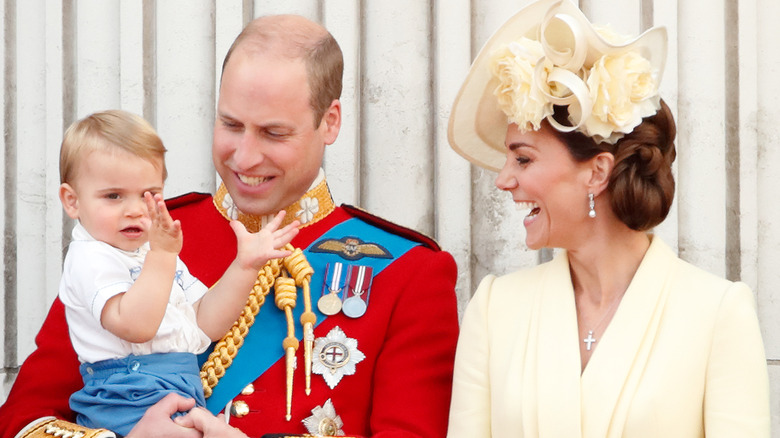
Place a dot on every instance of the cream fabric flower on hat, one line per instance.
(624, 91)
(518, 96)
(607, 96)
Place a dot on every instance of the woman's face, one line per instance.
(542, 177)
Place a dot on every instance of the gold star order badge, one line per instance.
(324, 421)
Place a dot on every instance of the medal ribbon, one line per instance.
(356, 288)
(335, 284)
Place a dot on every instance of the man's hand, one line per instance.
(209, 425)
(157, 422)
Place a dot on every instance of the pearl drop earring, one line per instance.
(592, 206)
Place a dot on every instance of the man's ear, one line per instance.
(331, 122)
(601, 169)
(70, 200)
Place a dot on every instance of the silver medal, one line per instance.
(354, 307)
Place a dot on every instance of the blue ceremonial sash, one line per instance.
(260, 351)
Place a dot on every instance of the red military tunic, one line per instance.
(408, 336)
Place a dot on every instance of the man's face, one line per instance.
(266, 147)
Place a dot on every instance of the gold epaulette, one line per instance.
(60, 428)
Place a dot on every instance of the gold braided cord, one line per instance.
(285, 293)
(227, 348)
(283, 275)
(297, 265)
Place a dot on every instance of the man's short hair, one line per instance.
(296, 37)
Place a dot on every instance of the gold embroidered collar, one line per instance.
(313, 206)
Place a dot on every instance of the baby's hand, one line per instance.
(255, 249)
(164, 232)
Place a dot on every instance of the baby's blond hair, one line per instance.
(105, 130)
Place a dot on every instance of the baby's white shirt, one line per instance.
(95, 271)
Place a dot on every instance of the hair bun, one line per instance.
(644, 159)
(642, 184)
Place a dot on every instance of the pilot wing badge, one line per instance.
(351, 248)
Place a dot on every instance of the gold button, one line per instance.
(239, 409)
(249, 390)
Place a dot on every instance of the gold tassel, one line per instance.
(285, 296)
(300, 269)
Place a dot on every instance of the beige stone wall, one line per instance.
(404, 62)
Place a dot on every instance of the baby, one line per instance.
(137, 317)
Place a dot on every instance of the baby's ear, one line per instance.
(70, 200)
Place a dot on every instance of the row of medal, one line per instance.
(346, 289)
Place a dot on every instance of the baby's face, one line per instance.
(110, 188)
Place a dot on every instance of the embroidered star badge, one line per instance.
(335, 356)
(230, 207)
(324, 421)
(309, 207)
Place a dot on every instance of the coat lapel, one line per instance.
(557, 361)
(613, 372)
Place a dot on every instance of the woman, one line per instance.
(616, 336)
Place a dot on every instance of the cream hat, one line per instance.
(552, 55)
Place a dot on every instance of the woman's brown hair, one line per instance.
(641, 184)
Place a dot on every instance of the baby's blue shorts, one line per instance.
(117, 392)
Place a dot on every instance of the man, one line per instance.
(381, 364)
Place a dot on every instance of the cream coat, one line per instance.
(682, 357)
